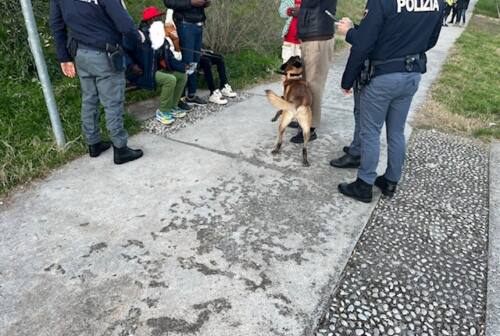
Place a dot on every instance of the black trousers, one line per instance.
(206, 62)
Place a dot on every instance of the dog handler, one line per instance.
(96, 29)
(316, 30)
(394, 35)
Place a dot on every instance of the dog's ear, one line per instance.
(283, 66)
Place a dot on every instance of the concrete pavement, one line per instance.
(208, 234)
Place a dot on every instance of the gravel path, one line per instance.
(197, 113)
(420, 267)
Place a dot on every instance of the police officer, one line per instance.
(89, 33)
(394, 36)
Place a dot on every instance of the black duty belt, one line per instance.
(414, 57)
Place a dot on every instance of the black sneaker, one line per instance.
(387, 187)
(126, 154)
(359, 190)
(184, 106)
(195, 100)
(346, 161)
(96, 149)
(346, 149)
(293, 124)
(299, 137)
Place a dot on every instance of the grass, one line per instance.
(488, 8)
(466, 97)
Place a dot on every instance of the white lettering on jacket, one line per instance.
(418, 5)
(95, 2)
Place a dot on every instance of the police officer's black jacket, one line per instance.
(90, 22)
(393, 29)
(314, 23)
(184, 11)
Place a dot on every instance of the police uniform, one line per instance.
(82, 30)
(394, 35)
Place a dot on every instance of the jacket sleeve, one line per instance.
(363, 41)
(121, 19)
(178, 4)
(284, 5)
(311, 3)
(58, 28)
(435, 35)
(173, 63)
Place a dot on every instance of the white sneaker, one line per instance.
(216, 98)
(227, 91)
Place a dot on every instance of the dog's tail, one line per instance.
(279, 102)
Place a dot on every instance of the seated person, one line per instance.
(207, 59)
(163, 68)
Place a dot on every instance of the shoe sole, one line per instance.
(162, 121)
(345, 167)
(196, 104)
(301, 142)
(364, 200)
(122, 162)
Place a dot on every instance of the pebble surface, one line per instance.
(420, 267)
(197, 113)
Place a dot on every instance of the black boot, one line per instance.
(346, 149)
(346, 161)
(387, 187)
(359, 190)
(126, 154)
(299, 137)
(96, 149)
(293, 124)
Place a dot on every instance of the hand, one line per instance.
(136, 70)
(68, 69)
(344, 25)
(293, 11)
(347, 93)
(198, 3)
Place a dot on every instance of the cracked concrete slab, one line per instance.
(208, 234)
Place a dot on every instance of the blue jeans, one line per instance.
(386, 99)
(99, 82)
(191, 38)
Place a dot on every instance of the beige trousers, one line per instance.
(317, 56)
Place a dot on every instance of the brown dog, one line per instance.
(294, 105)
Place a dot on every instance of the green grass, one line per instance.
(488, 8)
(469, 85)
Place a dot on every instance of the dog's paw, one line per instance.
(268, 92)
(306, 164)
(275, 151)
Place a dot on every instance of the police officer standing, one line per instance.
(394, 36)
(89, 33)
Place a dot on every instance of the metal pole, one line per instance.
(36, 50)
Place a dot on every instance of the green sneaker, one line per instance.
(178, 112)
(166, 118)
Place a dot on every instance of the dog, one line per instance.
(294, 105)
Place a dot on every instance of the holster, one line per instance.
(116, 57)
(366, 74)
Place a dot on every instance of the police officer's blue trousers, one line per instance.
(100, 83)
(355, 146)
(386, 99)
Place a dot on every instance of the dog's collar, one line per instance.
(295, 75)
